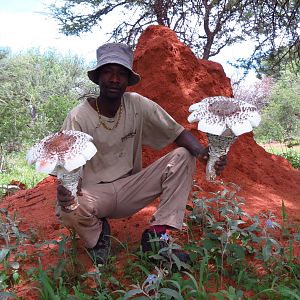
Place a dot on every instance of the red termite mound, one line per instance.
(175, 78)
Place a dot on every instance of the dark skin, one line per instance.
(113, 82)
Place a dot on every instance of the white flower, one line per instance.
(270, 224)
(151, 279)
(165, 237)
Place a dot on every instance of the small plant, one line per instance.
(222, 222)
(9, 232)
(151, 288)
(166, 255)
(229, 234)
(270, 246)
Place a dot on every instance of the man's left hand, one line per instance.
(190, 142)
(220, 164)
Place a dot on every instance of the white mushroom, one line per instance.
(222, 119)
(63, 154)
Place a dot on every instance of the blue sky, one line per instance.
(24, 24)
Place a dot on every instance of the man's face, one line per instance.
(113, 80)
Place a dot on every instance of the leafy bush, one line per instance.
(280, 119)
(36, 92)
(293, 157)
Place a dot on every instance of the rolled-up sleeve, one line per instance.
(159, 128)
(70, 123)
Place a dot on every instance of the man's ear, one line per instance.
(98, 74)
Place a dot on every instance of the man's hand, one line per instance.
(64, 196)
(220, 164)
(187, 140)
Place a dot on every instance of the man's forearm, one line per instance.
(187, 140)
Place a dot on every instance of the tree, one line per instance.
(36, 92)
(275, 33)
(258, 93)
(205, 26)
(281, 117)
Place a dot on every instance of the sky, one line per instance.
(24, 24)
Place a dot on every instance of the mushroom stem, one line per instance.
(70, 182)
(218, 146)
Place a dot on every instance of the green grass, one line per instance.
(16, 168)
(280, 148)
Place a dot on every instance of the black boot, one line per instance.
(155, 246)
(101, 251)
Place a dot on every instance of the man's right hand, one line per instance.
(64, 196)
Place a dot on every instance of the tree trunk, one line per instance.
(161, 14)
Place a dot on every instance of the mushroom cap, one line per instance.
(67, 149)
(217, 114)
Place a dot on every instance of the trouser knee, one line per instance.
(81, 216)
(186, 156)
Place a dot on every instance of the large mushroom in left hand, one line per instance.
(223, 119)
(63, 154)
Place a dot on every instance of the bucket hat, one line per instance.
(114, 53)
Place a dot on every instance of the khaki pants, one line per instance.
(169, 178)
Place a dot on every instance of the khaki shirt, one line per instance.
(143, 122)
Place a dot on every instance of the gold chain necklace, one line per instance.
(103, 124)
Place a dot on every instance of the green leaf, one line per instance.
(7, 295)
(193, 280)
(219, 296)
(267, 252)
(132, 293)
(172, 293)
(15, 276)
(238, 250)
(209, 244)
(3, 254)
(285, 291)
(15, 265)
(15, 231)
(114, 281)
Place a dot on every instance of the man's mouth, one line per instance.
(114, 89)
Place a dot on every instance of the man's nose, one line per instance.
(115, 77)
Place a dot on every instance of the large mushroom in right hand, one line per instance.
(223, 119)
(63, 154)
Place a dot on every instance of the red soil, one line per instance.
(175, 78)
